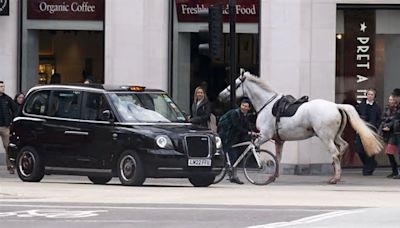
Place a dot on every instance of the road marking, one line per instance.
(115, 221)
(227, 208)
(52, 213)
(310, 219)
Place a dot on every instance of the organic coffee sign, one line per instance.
(359, 43)
(66, 10)
(247, 11)
(4, 7)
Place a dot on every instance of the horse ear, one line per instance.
(242, 71)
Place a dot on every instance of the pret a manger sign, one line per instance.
(66, 9)
(363, 63)
(360, 51)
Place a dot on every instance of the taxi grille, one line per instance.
(197, 146)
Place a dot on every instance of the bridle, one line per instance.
(242, 79)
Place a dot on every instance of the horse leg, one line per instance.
(278, 152)
(342, 145)
(328, 139)
(339, 141)
(336, 162)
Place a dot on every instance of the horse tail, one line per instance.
(371, 141)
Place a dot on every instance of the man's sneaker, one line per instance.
(391, 175)
(370, 173)
(396, 177)
(235, 180)
(11, 169)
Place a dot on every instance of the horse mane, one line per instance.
(258, 81)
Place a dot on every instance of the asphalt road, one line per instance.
(292, 201)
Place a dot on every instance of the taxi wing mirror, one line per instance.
(107, 115)
(187, 116)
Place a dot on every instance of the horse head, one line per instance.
(240, 92)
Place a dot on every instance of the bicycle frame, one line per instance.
(251, 147)
(262, 159)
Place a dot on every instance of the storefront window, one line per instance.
(190, 68)
(367, 53)
(62, 41)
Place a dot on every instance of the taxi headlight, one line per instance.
(164, 142)
(218, 142)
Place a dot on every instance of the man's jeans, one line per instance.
(369, 163)
(5, 137)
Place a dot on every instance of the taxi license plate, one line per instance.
(199, 162)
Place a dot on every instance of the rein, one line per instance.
(267, 103)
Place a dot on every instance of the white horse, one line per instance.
(320, 118)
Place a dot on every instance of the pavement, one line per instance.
(301, 190)
(352, 181)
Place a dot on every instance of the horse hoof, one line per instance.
(333, 181)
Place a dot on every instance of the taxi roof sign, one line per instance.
(136, 88)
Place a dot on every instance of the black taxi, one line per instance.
(99, 131)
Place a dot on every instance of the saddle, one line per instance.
(287, 106)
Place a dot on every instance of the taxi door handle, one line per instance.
(76, 133)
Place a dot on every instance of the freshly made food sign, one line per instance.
(246, 10)
(66, 9)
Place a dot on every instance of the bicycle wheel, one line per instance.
(263, 174)
(222, 174)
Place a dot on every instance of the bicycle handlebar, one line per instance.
(254, 136)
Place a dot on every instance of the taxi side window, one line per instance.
(37, 103)
(65, 104)
(93, 106)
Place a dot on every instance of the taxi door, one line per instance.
(63, 134)
(100, 141)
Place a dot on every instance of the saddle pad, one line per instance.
(287, 107)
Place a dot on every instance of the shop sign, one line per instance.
(247, 11)
(359, 43)
(66, 10)
(4, 7)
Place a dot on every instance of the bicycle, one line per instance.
(258, 162)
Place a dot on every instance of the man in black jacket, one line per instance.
(370, 112)
(8, 110)
(239, 130)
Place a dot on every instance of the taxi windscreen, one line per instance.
(146, 107)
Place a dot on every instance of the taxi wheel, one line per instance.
(29, 165)
(99, 180)
(201, 180)
(130, 169)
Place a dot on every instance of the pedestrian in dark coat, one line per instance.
(201, 108)
(370, 112)
(396, 122)
(19, 100)
(386, 131)
(8, 110)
